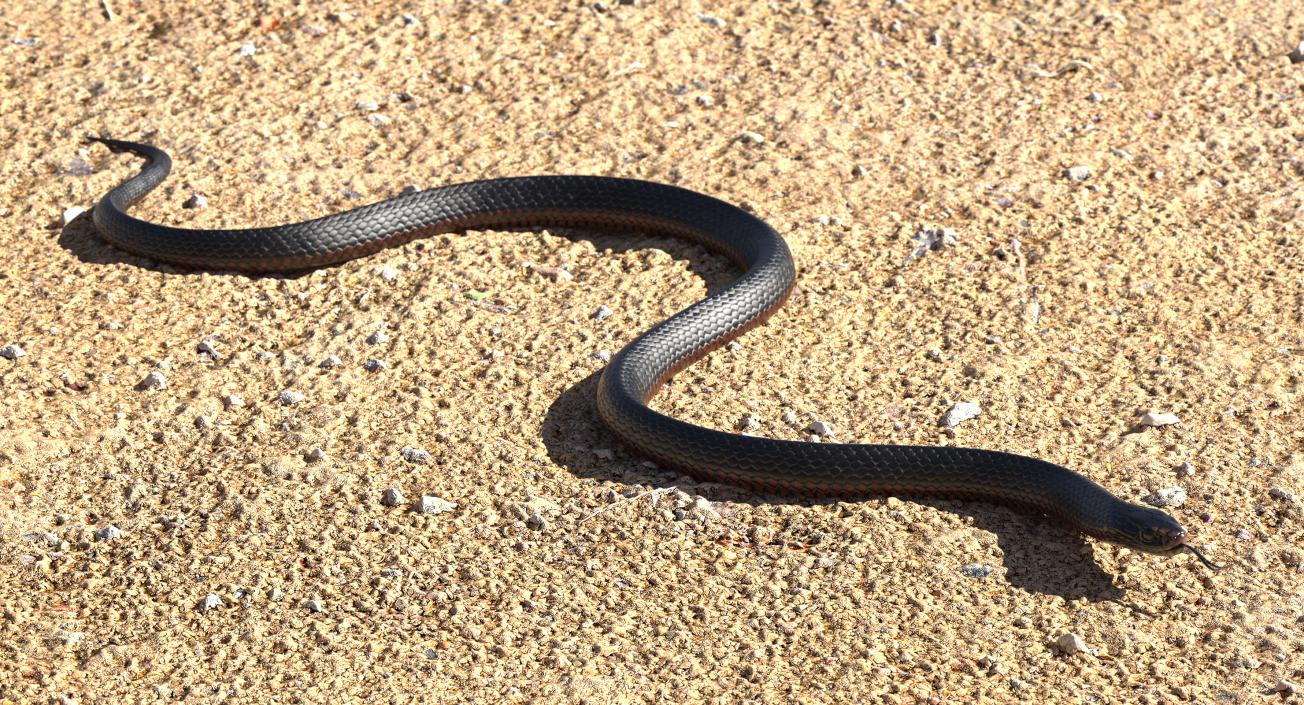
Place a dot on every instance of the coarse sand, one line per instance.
(1113, 195)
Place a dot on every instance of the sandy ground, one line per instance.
(1164, 276)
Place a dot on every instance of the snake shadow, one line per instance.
(1038, 554)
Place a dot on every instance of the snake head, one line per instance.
(1152, 531)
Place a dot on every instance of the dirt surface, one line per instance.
(1146, 157)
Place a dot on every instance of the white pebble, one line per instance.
(212, 601)
(288, 398)
(603, 355)
(1167, 497)
(154, 380)
(752, 137)
(315, 455)
(12, 352)
(435, 505)
(232, 400)
(820, 429)
(314, 605)
(1077, 173)
(388, 274)
(1071, 643)
(958, 413)
(72, 213)
(330, 362)
(1159, 420)
(392, 498)
(378, 338)
(373, 364)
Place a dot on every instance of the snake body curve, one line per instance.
(635, 373)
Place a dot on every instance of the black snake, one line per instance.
(635, 373)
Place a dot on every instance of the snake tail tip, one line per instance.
(1203, 560)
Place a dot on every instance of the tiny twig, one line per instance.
(635, 498)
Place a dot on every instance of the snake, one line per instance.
(633, 375)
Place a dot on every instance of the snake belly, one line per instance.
(640, 369)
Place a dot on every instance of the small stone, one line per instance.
(1185, 470)
(1296, 55)
(735, 346)
(367, 106)
(1280, 494)
(788, 417)
(537, 522)
(553, 273)
(859, 171)
(434, 505)
(415, 455)
(1077, 173)
(603, 355)
(975, 570)
(409, 20)
(373, 364)
(195, 201)
(232, 401)
(110, 325)
(12, 352)
(1243, 534)
(751, 137)
(316, 455)
(820, 429)
(265, 356)
(314, 605)
(1121, 154)
(1167, 497)
(603, 313)
(1071, 643)
(248, 49)
(71, 214)
(287, 398)
(378, 338)
(109, 533)
(1159, 420)
(212, 601)
(1095, 97)
(1206, 518)
(388, 273)
(992, 340)
(959, 413)
(331, 362)
(203, 422)
(712, 22)
(154, 380)
(205, 347)
(750, 423)
(392, 498)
